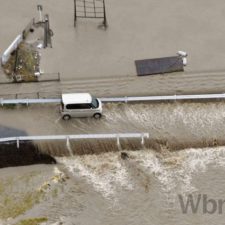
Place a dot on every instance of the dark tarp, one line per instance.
(159, 65)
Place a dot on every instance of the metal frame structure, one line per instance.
(94, 9)
(48, 32)
(67, 138)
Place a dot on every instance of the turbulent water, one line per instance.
(103, 189)
(142, 189)
(170, 125)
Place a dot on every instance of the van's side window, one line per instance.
(78, 106)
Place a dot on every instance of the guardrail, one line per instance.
(28, 101)
(32, 95)
(164, 98)
(67, 138)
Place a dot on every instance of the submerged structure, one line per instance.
(92, 9)
(21, 60)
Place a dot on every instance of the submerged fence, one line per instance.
(67, 138)
(28, 101)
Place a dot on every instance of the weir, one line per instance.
(63, 145)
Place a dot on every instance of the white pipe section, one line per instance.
(119, 99)
(29, 101)
(75, 137)
(182, 53)
(11, 48)
(164, 98)
(184, 61)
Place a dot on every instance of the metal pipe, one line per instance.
(40, 8)
(75, 137)
(120, 99)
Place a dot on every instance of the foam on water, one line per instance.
(197, 161)
(107, 173)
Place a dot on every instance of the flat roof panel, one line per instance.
(159, 65)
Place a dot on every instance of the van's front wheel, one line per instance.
(66, 117)
(97, 115)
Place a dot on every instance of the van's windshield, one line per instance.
(94, 103)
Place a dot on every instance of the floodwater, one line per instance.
(143, 189)
(172, 126)
(102, 61)
(104, 189)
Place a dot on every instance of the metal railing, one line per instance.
(32, 95)
(67, 138)
(164, 98)
(28, 101)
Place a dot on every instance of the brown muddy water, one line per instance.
(104, 189)
(171, 126)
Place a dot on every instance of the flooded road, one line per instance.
(170, 125)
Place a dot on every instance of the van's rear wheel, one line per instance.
(66, 117)
(97, 115)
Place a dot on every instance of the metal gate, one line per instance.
(90, 9)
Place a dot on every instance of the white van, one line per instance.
(80, 105)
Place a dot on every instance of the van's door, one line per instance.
(79, 110)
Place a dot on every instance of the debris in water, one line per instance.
(124, 155)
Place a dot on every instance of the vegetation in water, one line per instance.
(33, 221)
(16, 198)
(24, 62)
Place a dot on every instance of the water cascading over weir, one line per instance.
(187, 125)
(25, 150)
